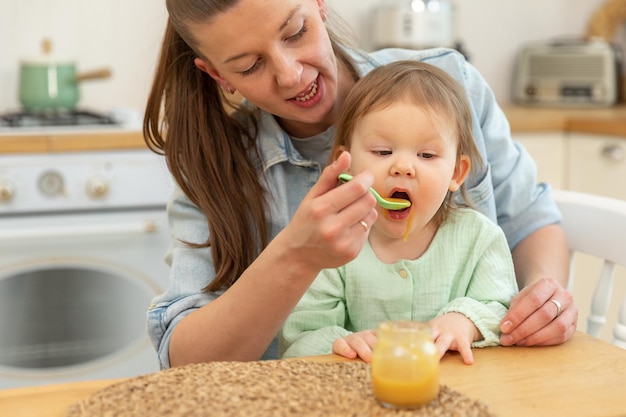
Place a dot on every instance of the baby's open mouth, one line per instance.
(403, 196)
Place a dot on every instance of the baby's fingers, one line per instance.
(447, 341)
(443, 343)
(466, 353)
(342, 348)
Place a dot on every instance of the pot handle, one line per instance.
(92, 75)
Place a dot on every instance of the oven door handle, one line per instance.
(140, 227)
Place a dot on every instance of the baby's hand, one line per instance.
(454, 331)
(356, 345)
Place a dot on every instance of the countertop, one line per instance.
(71, 141)
(602, 121)
(583, 377)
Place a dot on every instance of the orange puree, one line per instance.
(405, 365)
(410, 218)
(406, 392)
(409, 223)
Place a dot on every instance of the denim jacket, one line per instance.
(505, 190)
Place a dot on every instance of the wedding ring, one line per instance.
(365, 226)
(558, 307)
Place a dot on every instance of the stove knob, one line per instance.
(7, 191)
(51, 183)
(97, 187)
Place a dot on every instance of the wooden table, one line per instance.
(584, 377)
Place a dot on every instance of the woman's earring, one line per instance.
(230, 90)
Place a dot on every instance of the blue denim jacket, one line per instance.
(505, 191)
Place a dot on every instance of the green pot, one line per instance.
(48, 86)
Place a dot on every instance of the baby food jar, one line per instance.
(405, 365)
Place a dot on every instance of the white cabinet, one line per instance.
(597, 164)
(550, 153)
(587, 163)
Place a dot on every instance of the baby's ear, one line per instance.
(338, 151)
(461, 172)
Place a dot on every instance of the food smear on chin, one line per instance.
(401, 215)
(409, 223)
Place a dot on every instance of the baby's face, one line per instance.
(412, 155)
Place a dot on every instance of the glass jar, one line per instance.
(405, 365)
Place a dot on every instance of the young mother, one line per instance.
(256, 216)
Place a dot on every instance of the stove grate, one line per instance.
(55, 118)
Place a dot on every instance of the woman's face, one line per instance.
(412, 154)
(278, 55)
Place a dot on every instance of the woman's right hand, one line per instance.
(327, 229)
(325, 232)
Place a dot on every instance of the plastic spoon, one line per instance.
(389, 204)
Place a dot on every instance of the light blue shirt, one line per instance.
(505, 191)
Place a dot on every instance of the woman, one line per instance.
(255, 219)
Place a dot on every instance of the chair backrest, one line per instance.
(596, 225)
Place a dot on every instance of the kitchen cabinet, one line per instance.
(597, 164)
(549, 149)
(590, 163)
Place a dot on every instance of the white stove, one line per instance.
(82, 239)
(83, 181)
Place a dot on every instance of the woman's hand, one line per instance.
(454, 331)
(534, 319)
(332, 223)
(357, 344)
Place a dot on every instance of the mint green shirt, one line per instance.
(467, 269)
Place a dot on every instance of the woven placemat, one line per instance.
(260, 389)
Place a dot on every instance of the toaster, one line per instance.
(584, 73)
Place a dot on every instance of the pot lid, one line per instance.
(47, 57)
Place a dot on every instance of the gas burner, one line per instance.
(57, 118)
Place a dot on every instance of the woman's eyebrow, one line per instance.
(283, 26)
(290, 16)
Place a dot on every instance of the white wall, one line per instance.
(493, 30)
(125, 35)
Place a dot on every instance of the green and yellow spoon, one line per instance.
(389, 203)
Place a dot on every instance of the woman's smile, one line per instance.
(311, 96)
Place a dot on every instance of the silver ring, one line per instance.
(365, 226)
(558, 307)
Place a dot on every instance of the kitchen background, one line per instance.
(125, 37)
(99, 189)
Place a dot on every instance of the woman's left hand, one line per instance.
(542, 314)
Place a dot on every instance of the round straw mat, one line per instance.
(286, 388)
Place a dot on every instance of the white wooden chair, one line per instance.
(596, 226)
